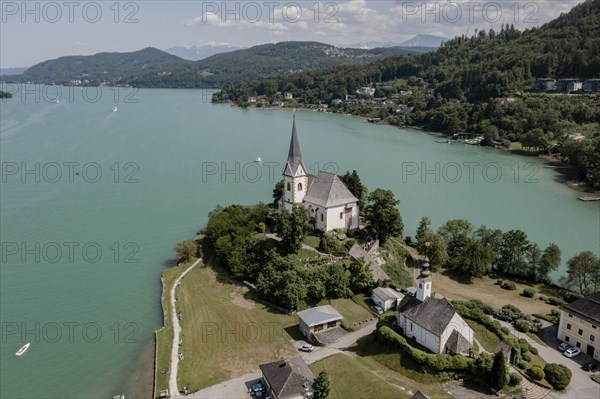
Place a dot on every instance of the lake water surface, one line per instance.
(89, 226)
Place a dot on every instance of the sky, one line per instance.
(34, 31)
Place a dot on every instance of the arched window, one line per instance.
(289, 187)
(321, 217)
(420, 285)
(299, 186)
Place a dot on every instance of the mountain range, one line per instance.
(199, 52)
(429, 41)
(151, 67)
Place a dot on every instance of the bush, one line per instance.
(522, 325)
(529, 292)
(514, 379)
(533, 350)
(542, 298)
(391, 336)
(509, 285)
(526, 356)
(536, 372)
(522, 364)
(500, 282)
(571, 296)
(555, 301)
(558, 376)
(505, 330)
(512, 311)
(596, 378)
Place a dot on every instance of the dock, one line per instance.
(589, 199)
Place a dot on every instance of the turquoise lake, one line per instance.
(93, 201)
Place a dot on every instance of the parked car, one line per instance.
(563, 346)
(504, 317)
(591, 366)
(377, 309)
(572, 352)
(306, 348)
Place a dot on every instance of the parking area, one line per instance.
(581, 386)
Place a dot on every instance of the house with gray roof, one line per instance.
(329, 202)
(580, 324)
(386, 298)
(288, 379)
(432, 322)
(419, 395)
(314, 321)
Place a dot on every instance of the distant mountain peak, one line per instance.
(199, 52)
(425, 41)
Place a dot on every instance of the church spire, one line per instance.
(424, 281)
(294, 155)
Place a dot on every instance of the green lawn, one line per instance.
(312, 241)
(400, 366)
(225, 334)
(351, 379)
(486, 338)
(165, 335)
(354, 314)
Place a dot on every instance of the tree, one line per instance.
(337, 284)
(278, 193)
(476, 260)
(321, 386)
(549, 262)
(557, 375)
(361, 276)
(456, 233)
(383, 216)
(186, 250)
(583, 272)
(434, 247)
(424, 230)
(512, 253)
(292, 228)
(356, 187)
(498, 372)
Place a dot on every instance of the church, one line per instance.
(433, 322)
(329, 202)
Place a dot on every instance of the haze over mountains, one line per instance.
(199, 52)
(419, 40)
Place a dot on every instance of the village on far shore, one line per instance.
(319, 295)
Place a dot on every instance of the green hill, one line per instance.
(151, 67)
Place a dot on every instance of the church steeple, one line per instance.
(294, 173)
(424, 281)
(294, 154)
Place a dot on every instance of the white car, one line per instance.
(306, 348)
(563, 346)
(572, 352)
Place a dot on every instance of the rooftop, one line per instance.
(288, 378)
(327, 190)
(319, 315)
(588, 307)
(387, 293)
(431, 314)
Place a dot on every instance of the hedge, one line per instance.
(536, 372)
(392, 337)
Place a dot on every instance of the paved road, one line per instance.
(237, 388)
(173, 390)
(581, 386)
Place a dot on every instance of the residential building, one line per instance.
(504, 100)
(329, 202)
(386, 298)
(419, 395)
(366, 91)
(432, 322)
(592, 86)
(288, 379)
(546, 84)
(580, 324)
(314, 321)
(289, 96)
(569, 85)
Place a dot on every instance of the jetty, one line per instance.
(589, 199)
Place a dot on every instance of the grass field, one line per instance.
(165, 335)
(399, 366)
(352, 379)
(224, 333)
(354, 314)
(312, 241)
(486, 338)
(488, 292)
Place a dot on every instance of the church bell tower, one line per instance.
(424, 282)
(295, 177)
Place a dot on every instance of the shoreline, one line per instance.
(575, 185)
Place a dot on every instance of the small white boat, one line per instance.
(23, 349)
(258, 160)
(115, 109)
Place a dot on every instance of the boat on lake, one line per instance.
(23, 349)
(115, 109)
(258, 160)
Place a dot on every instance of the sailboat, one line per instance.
(258, 160)
(23, 349)
(115, 109)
